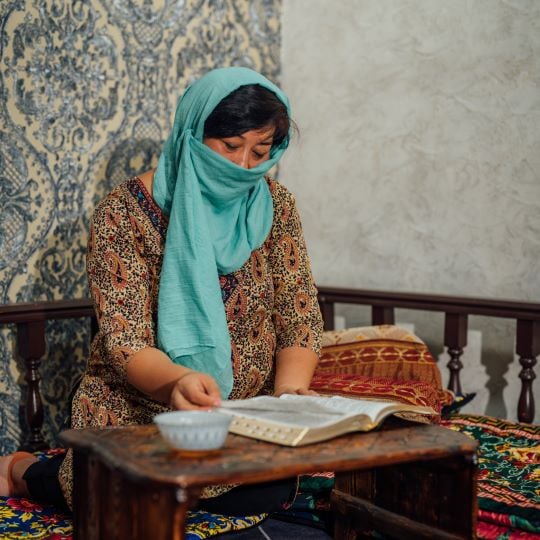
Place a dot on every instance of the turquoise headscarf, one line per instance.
(218, 214)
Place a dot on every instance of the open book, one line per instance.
(294, 420)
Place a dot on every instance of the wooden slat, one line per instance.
(504, 308)
(383, 304)
(384, 521)
(50, 310)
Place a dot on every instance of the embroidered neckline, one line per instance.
(148, 205)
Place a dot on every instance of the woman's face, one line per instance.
(247, 150)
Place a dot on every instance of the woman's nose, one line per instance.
(242, 159)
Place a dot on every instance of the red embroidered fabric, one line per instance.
(381, 361)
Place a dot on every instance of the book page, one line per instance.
(304, 411)
(296, 419)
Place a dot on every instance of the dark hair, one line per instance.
(248, 107)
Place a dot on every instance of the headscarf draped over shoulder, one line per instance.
(218, 214)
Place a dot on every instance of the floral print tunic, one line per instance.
(270, 304)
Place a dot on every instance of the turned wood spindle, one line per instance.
(31, 347)
(528, 348)
(382, 315)
(327, 312)
(455, 339)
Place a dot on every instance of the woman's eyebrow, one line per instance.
(266, 142)
(268, 139)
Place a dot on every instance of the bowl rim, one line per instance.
(170, 418)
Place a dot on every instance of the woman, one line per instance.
(200, 281)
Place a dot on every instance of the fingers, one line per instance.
(180, 403)
(212, 390)
(306, 392)
(195, 391)
(292, 390)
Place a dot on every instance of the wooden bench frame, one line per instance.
(29, 319)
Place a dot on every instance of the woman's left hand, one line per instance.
(293, 390)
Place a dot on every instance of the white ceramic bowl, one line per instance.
(193, 430)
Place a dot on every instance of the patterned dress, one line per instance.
(270, 304)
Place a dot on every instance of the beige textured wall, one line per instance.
(418, 165)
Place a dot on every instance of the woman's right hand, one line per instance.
(195, 390)
(152, 372)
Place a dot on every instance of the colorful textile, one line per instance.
(21, 518)
(411, 392)
(200, 525)
(509, 475)
(311, 502)
(494, 526)
(219, 212)
(386, 351)
(508, 482)
(24, 519)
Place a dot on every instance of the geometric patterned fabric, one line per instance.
(509, 475)
(384, 351)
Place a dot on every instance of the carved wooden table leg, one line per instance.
(107, 505)
(422, 500)
(348, 489)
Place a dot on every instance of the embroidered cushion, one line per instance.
(380, 352)
(411, 392)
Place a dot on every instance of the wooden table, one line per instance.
(405, 481)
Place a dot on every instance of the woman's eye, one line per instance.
(229, 146)
(258, 155)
